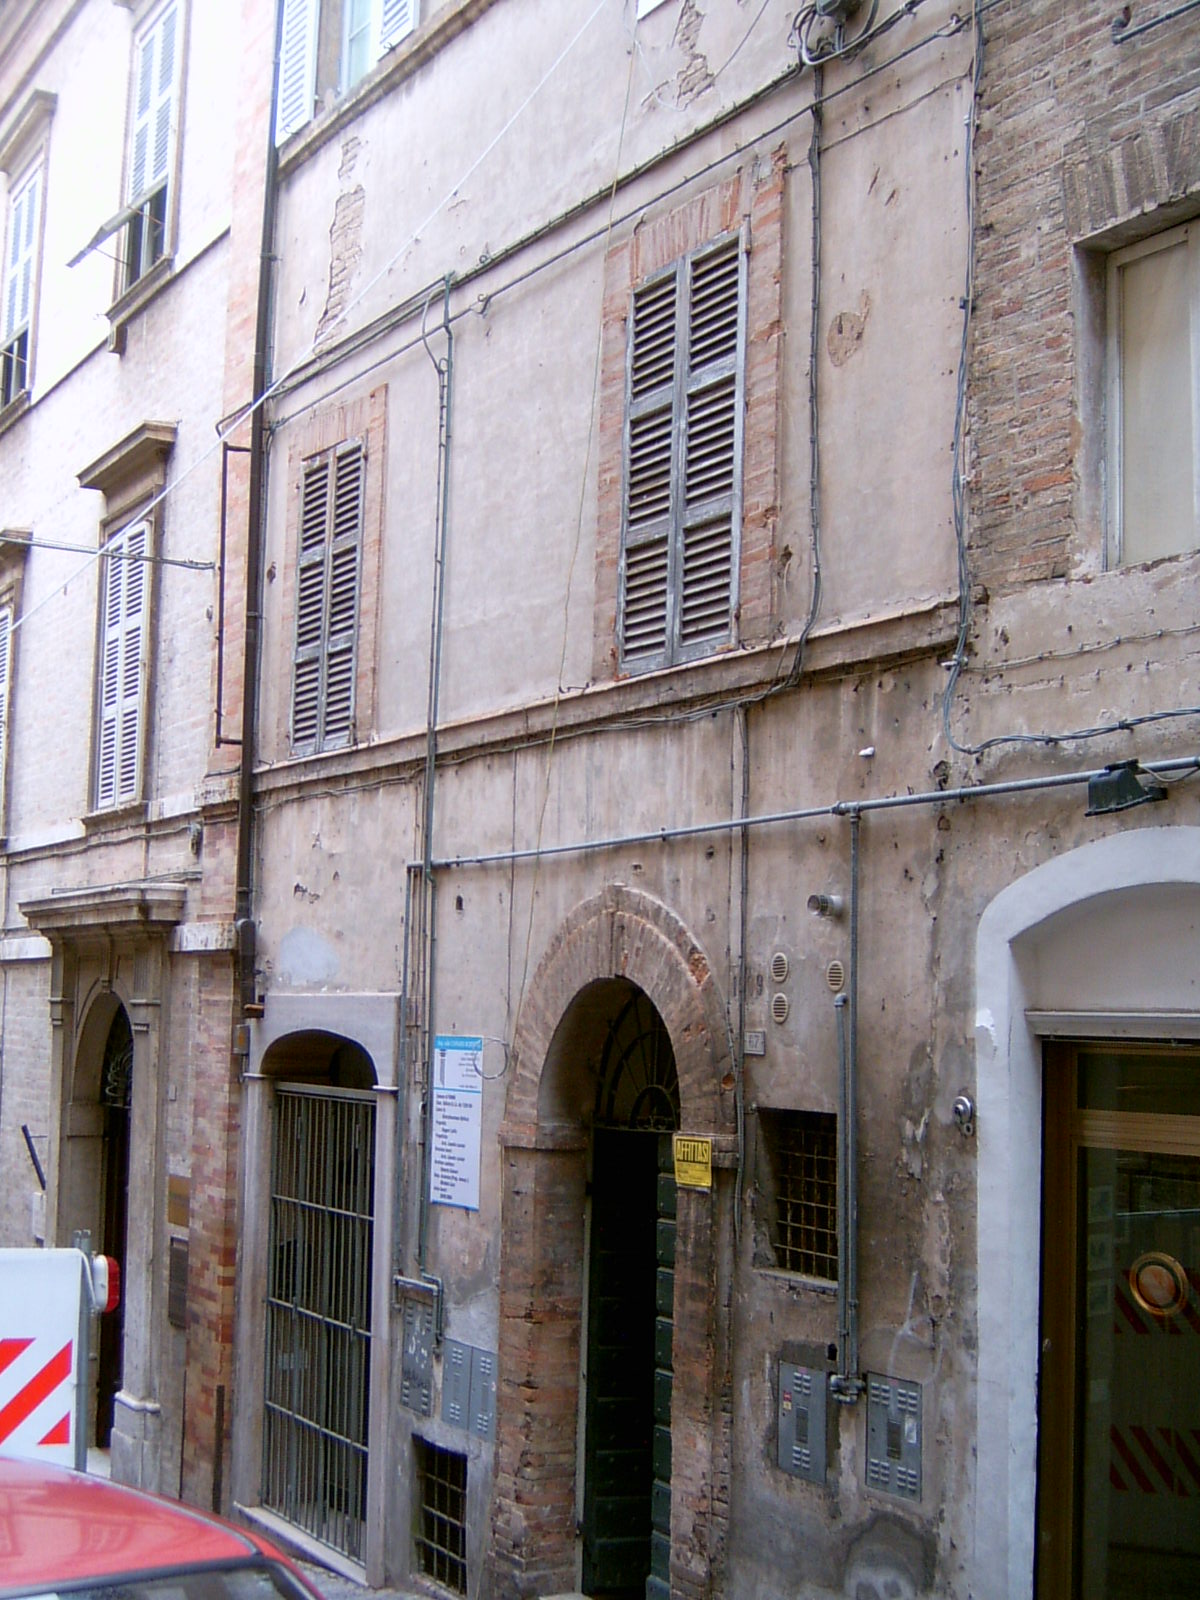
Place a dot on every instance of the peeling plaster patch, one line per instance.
(694, 77)
(305, 958)
(846, 331)
(345, 243)
(985, 1022)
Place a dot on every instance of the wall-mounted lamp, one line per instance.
(826, 905)
(1121, 785)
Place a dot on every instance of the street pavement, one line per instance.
(335, 1587)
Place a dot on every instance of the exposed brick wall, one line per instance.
(1083, 142)
(212, 1239)
(755, 193)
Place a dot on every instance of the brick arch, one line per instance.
(626, 933)
(620, 933)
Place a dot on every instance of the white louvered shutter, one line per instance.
(297, 67)
(22, 242)
(327, 601)
(682, 460)
(154, 98)
(397, 19)
(6, 634)
(122, 646)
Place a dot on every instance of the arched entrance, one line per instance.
(316, 1401)
(1087, 1004)
(622, 955)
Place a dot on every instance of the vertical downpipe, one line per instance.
(846, 1385)
(445, 371)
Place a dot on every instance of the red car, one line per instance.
(65, 1534)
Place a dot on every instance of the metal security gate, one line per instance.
(319, 1313)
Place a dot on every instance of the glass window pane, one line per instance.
(1138, 1420)
(1166, 1083)
(1158, 509)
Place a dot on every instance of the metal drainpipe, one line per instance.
(444, 368)
(846, 1385)
(243, 893)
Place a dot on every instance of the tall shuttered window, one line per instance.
(683, 459)
(19, 271)
(121, 695)
(315, 34)
(6, 648)
(327, 599)
(151, 144)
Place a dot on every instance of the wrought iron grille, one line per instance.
(803, 1150)
(442, 1515)
(319, 1313)
(638, 1086)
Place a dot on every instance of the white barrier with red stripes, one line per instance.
(46, 1301)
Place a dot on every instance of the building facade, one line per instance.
(700, 942)
(123, 135)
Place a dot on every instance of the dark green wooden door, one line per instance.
(658, 1585)
(619, 1411)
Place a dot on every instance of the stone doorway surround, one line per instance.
(621, 933)
(109, 947)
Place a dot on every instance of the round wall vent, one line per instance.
(835, 976)
(779, 967)
(779, 1008)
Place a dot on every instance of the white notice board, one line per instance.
(457, 1120)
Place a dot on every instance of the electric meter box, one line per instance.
(802, 1416)
(894, 1436)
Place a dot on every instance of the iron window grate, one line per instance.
(803, 1149)
(441, 1535)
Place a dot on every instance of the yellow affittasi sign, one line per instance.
(693, 1162)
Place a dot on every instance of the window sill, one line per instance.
(134, 300)
(132, 811)
(14, 410)
(797, 1280)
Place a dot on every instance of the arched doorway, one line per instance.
(316, 1401)
(627, 1373)
(1091, 954)
(116, 1101)
(619, 944)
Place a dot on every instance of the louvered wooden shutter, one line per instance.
(682, 460)
(397, 18)
(122, 642)
(712, 455)
(6, 633)
(327, 600)
(22, 238)
(154, 92)
(297, 67)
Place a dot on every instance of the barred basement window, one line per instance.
(683, 459)
(441, 1531)
(327, 599)
(802, 1151)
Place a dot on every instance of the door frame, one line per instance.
(1067, 1131)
